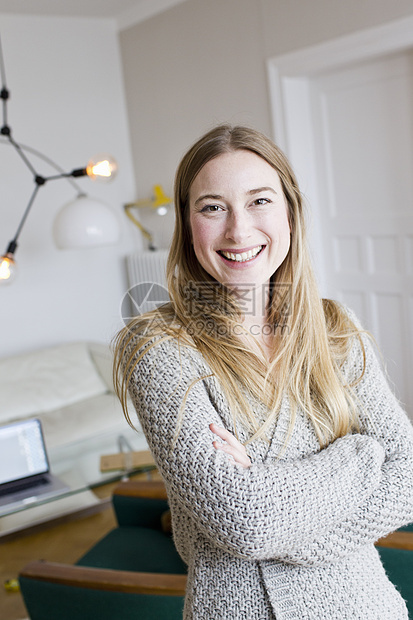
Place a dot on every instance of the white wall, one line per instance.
(67, 101)
(289, 25)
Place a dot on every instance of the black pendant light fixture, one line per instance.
(83, 222)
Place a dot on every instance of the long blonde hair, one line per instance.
(313, 335)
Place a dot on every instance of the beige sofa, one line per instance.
(69, 387)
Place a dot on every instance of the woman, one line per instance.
(284, 453)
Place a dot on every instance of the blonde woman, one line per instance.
(284, 453)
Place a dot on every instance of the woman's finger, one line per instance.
(226, 436)
(238, 457)
(232, 447)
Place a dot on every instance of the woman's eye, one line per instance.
(211, 208)
(262, 201)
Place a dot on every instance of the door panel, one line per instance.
(363, 145)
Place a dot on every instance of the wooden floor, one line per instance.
(65, 542)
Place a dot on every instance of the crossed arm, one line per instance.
(279, 510)
(391, 503)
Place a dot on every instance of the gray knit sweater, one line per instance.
(288, 538)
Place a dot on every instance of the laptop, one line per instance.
(25, 476)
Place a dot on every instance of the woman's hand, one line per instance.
(232, 446)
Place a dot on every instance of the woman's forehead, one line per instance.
(241, 171)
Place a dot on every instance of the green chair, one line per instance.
(396, 553)
(133, 572)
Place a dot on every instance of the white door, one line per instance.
(362, 119)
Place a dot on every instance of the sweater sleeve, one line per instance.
(258, 513)
(391, 504)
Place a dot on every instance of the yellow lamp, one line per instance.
(159, 201)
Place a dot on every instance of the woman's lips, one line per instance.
(241, 256)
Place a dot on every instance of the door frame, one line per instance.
(289, 79)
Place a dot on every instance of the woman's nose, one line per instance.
(238, 227)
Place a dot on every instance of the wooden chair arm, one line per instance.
(151, 489)
(397, 540)
(104, 579)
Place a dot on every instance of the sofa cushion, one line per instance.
(135, 548)
(47, 379)
(102, 358)
(83, 420)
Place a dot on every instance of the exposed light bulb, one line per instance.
(8, 268)
(102, 168)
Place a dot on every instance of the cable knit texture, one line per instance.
(290, 538)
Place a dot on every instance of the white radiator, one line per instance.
(147, 283)
(147, 267)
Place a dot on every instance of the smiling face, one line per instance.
(238, 218)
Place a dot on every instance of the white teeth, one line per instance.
(240, 258)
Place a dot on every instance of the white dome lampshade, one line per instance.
(85, 222)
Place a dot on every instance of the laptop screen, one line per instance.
(22, 451)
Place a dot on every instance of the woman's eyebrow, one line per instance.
(209, 197)
(251, 192)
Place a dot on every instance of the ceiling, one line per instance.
(125, 12)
